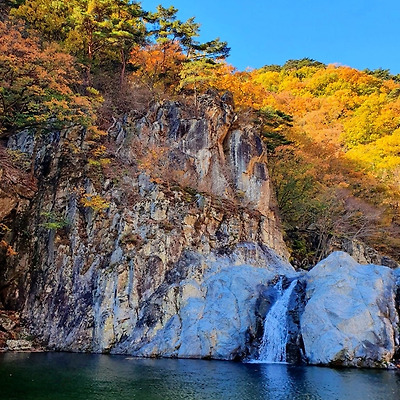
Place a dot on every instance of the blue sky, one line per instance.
(358, 33)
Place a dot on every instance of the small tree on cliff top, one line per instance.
(172, 47)
(167, 28)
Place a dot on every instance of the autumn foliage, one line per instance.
(37, 85)
(340, 174)
(157, 65)
(332, 132)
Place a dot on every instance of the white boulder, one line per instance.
(350, 317)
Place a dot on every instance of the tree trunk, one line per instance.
(123, 68)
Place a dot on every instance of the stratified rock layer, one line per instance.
(184, 194)
(350, 318)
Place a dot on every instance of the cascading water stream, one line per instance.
(273, 346)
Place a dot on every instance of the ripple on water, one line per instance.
(101, 377)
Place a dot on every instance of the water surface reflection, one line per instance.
(82, 376)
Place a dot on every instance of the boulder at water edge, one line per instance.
(350, 317)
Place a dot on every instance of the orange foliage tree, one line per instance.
(36, 85)
(157, 65)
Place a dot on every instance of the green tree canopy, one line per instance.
(166, 27)
(96, 31)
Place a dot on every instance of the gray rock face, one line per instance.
(216, 154)
(207, 308)
(360, 252)
(19, 345)
(179, 263)
(350, 318)
(202, 307)
(144, 274)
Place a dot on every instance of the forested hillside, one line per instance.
(340, 172)
(332, 132)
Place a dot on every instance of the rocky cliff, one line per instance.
(179, 196)
(161, 239)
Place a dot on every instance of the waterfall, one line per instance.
(273, 346)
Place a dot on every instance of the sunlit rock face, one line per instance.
(128, 278)
(211, 151)
(350, 317)
(205, 308)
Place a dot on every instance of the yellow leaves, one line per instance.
(4, 228)
(374, 118)
(95, 202)
(102, 162)
(292, 84)
(381, 156)
(105, 161)
(339, 104)
(95, 133)
(99, 151)
(98, 161)
(74, 148)
(270, 80)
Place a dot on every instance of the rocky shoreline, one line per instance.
(341, 313)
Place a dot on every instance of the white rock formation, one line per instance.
(350, 317)
(208, 313)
